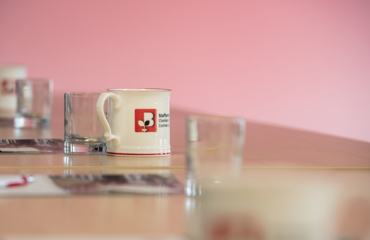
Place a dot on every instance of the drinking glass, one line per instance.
(83, 133)
(260, 206)
(214, 149)
(34, 99)
(8, 96)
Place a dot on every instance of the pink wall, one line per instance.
(304, 64)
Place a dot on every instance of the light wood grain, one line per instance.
(270, 152)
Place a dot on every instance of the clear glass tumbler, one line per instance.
(34, 99)
(214, 149)
(8, 96)
(83, 133)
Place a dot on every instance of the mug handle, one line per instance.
(100, 112)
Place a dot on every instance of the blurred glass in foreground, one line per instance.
(284, 205)
(214, 149)
(34, 101)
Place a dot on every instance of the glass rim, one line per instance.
(140, 89)
(82, 94)
(210, 116)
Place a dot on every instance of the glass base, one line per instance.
(85, 148)
(26, 122)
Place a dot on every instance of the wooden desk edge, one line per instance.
(177, 167)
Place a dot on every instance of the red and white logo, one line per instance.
(145, 120)
(7, 86)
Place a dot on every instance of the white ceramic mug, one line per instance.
(139, 121)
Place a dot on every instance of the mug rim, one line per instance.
(140, 89)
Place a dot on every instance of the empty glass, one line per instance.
(34, 98)
(261, 206)
(83, 133)
(8, 96)
(214, 149)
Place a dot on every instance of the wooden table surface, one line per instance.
(269, 150)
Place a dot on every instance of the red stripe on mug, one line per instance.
(138, 154)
